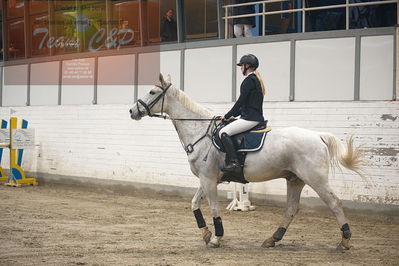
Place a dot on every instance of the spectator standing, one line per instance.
(243, 26)
(168, 27)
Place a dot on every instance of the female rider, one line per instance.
(248, 107)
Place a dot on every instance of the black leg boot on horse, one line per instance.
(233, 165)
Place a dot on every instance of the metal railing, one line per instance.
(303, 10)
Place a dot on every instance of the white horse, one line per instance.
(300, 156)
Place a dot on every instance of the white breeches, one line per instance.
(241, 30)
(237, 127)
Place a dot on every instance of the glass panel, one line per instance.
(126, 31)
(168, 30)
(15, 8)
(279, 23)
(200, 19)
(153, 21)
(40, 35)
(372, 16)
(194, 18)
(211, 18)
(66, 36)
(326, 19)
(38, 6)
(16, 39)
(92, 25)
(1, 31)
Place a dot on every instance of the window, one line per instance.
(168, 21)
(279, 23)
(15, 8)
(15, 29)
(38, 6)
(326, 19)
(372, 16)
(200, 19)
(91, 26)
(16, 38)
(126, 23)
(40, 35)
(65, 39)
(153, 20)
(1, 31)
(39, 27)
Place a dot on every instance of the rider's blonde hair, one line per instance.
(261, 82)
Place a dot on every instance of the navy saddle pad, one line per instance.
(248, 141)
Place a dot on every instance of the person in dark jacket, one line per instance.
(243, 26)
(248, 107)
(168, 27)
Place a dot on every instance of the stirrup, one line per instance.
(233, 167)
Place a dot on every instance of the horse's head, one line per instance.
(153, 102)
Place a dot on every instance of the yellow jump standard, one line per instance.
(17, 174)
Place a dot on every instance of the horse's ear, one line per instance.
(168, 79)
(161, 80)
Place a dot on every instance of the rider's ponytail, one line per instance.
(261, 82)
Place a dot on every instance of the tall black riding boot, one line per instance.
(233, 165)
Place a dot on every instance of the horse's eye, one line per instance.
(152, 92)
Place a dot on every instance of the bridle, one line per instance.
(190, 147)
(148, 107)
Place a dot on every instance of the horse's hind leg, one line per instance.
(195, 206)
(294, 189)
(335, 205)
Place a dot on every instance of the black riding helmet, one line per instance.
(249, 59)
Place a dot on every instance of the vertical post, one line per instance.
(182, 67)
(95, 95)
(4, 31)
(13, 125)
(226, 23)
(396, 63)
(298, 15)
(234, 74)
(303, 16)
(27, 29)
(136, 76)
(1, 84)
(3, 176)
(51, 27)
(28, 85)
(141, 23)
(60, 83)
(347, 15)
(220, 20)
(292, 70)
(179, 20)
(263, 19)
(356, 95)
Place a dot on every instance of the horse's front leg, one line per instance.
(210, 188)
(195, 206)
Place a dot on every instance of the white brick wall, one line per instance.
(102, 141)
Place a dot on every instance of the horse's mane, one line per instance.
(190, 104)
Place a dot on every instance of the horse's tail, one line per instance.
(347, 156)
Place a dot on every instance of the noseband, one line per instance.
(153, 102)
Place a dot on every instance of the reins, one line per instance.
(190, 147)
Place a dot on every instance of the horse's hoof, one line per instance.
(206, 236)
(215, 242)
(269, 243)
(344, 245)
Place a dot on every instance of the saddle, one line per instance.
(248, 141)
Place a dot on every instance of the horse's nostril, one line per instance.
(130, 111)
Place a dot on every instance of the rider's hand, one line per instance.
(221, 117)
